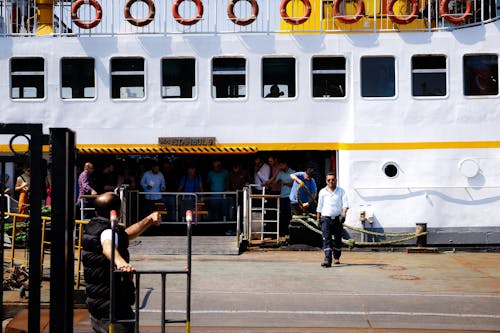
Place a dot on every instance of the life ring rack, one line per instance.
(445, 12)
(295, 20)
(349, 19)
(86, 24)
(187, 21)
(403, 19)
(243, 21)
(139, 22)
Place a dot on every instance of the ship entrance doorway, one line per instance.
(193, 181)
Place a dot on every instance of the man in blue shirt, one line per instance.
(332, 204)
(153, 183)
(305, 186)
(284, 179)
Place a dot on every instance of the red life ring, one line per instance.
(86, 24)
(189, 21)
(403, 19)
(360, 12)
(246, 20)
(295, 20)
(445, 12)
(137, 22)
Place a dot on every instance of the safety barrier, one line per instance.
(84, 17)
(163, 274)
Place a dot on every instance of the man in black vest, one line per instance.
(97, 249)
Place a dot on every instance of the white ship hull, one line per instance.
(446, 149)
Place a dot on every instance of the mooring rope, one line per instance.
(307, 220)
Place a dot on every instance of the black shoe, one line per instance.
(336, 262)
(326, 264)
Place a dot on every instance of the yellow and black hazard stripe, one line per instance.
(155, 149)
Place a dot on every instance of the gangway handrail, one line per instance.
(163, 273)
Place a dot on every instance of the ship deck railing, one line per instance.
(29, 17)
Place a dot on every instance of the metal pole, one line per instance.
(63, 222)
(35, 227)
(189, 220)
(2, 224)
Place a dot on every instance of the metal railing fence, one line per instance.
(112, 17)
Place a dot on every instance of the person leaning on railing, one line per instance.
(97, 248)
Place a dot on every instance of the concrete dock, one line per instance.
(288, 291)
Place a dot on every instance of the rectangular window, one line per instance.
(378, 77)
(178, 78)
(481, 75)
(328, 77)
(278, 77)
(77, 78)
(428, 75)
(27, 76)
(229, 77)
(127, 78)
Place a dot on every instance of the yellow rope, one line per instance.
(307, 219)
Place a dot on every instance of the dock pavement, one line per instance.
(273, 290)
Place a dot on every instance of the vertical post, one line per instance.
(63, 223)
(422, 239)
(2, 222)
(35, 226)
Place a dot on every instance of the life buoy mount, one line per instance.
(187, 21)
(86, 24)
(295, 20)
(349, 19)
(139, 22)
(444, 11)
(402, 19)
(243, 21)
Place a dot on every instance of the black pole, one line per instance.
(35, 226)
(63, 156)
(2, 226)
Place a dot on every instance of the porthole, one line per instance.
(390, 169)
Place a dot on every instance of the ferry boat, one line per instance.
(399, 97)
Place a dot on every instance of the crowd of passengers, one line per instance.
(214, 180)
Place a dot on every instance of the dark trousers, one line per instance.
(329, 227)
(285, 215)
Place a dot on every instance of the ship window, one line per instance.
(78, 78)
(127, 78)
(178, 78)
(428, 75)
(278, 77)
(480, 75)
(378, 77)
(328, 76)
(229, 77)
(27, 78)
(390, 169)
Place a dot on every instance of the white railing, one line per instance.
(24, 17)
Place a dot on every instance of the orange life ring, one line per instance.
(137, 22)
(360, 12)
(403, 19)
(86, 24)
(295, 20)
(246, 20)
(445, 12)
(189, 21)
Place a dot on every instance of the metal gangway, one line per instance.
(263, 218)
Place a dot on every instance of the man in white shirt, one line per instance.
(332, 203)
